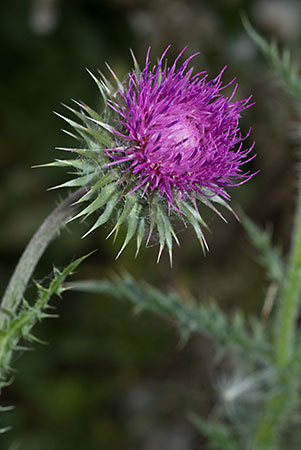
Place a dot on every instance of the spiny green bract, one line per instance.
(112, 191)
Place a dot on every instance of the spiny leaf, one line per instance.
(282, 63)
(270, 256)
(21, 323)
(191, 317)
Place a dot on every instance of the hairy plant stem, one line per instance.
(282, 398)
(33, 252)
(291, 296)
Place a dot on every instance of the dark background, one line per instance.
(108, 379)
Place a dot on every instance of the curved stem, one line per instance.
(33, 252)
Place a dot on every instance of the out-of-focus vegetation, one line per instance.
(107, 379)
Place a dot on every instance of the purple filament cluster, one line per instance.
(180, 133)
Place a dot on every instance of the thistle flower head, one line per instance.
(167, 141)
(180, 132)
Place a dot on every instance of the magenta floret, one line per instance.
(181, 134)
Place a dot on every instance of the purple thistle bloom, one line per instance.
(181, 133)
(166, 142)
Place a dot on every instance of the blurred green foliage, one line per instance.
(108, 380)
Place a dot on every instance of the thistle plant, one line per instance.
(167, 144)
